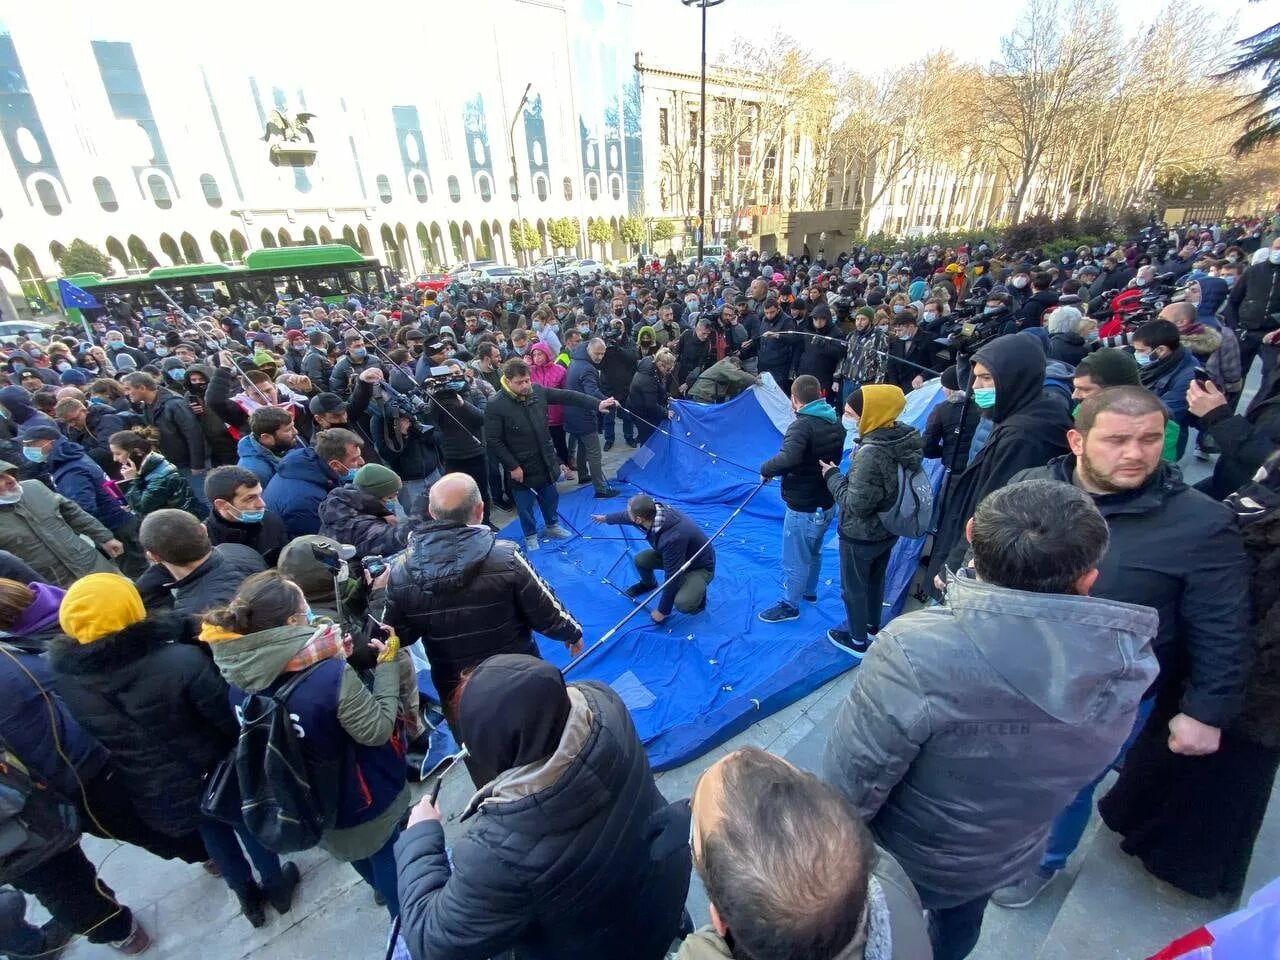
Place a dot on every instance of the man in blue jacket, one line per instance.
(271, 435)
(674, 539)
(306, 476)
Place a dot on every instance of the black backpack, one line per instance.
(267, 784)
(36, 822)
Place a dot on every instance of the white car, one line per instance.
(588, 268)
(464, 271)
(499, 274)
(19, 331)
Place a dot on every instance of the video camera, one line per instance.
(342, 562)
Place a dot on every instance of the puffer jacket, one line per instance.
(619, 365)
(871, 486)
(467, 596)
(159, 705)
(961, 784)
(349, 515)
(649, 394)
(550, 375)
(575, 857)
(253, 456)
(297, 490)
(159, 485)
(815, 434)
(215, 582)
(47, 530)
(583, 377)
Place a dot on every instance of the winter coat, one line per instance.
(778, 355)
(617, 368)
(266, 538)
(692, 355)
(815, 434)
(919, 350)
(101, 421)
(1213, 294)
(551, 376)
(677, 539)
(1174, 549)
(864, 360)
(459, 424)
(820, 354)
(1168, 378)
(159, 706)
(583, 377)
(47, 530)
(575, 857)
(1254, 301)
(1246, 440)
(252, 455)
(317, 368)
(349, 515)
(1259, 718)
(871, 486)
(346, 370)
(215, 582)
(467, 596)
(940, 438)
(296, 491)
(1031, 313)
(78, 478)
(1068, 348)
(961, 783)
(181, 434)
(222, 420)
(160, 485)
(719, 382)
(515, 429)
(649, 394)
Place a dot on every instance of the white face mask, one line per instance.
(8, 499)
(1274, 257)
(1019, 282)
(850, 423)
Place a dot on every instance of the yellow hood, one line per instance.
(881, 404)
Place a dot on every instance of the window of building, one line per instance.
(485, 188)
(159, 188)
(593, 188)
(662, 126)
(212, 195)
(693, 126)
(48, 198)
(568, 188)
(455, 190)
(830, 195)
(106, 195)
(615, 187)
(420, 189)
(540, 187)
(383, 183)
(515, 188)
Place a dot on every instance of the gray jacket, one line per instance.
(971, 726)
(48, 531)
(871, 486)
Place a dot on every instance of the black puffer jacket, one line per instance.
(349, 515)
(467, 596)
(159, 705)
(459, 426)
(266, 538)
(212, 584)
(649, 395)
(821, 353)
(181, 433)
(811, 437)
(617, 368)
(871, 486)
(516, 431)
(591, 862)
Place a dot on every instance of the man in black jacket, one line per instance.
(674, 540)
(1246, 440)
(1042, 298)
(775, 351)
(239, 515)
(516, 432)
(181, 435)
(1173, 549)
(188, 573)
(1253, 311)
(909, 349)
(816, 434)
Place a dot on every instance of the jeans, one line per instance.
(220, 839)
(547, 498)
(954, 931)
(691, 596)
(862, 570)
(1069, 826)
(69, 887)
(413, 494)
(379, 871)
(475, 468)
(628, 425)
(499, 482)
(802, 535)
(589, 453)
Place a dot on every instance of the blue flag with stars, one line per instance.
(74, 298)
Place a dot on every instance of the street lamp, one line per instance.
(515, 173)
(702, 128)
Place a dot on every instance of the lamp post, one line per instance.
(702, 129)
(515, 173)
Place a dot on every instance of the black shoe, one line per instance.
(253, 904)
(810, 598)
(56, 938)
(639, 589)
(607, 493)
(632, 442)
(844, 640)
(280, 891)
(584, 479)
(608, 445)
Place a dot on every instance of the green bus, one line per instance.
(332, 272)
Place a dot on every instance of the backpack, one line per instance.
(911, 515)
(267, 783)
(36, 822)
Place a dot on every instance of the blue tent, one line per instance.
(694, 681)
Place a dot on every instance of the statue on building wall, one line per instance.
(290, 131)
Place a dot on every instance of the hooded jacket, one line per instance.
(81, 480)
(621, 359)
(573, 857)
(1254, 300)
(181, 433)
(871, 486)
(47, 530)
(101, 421)
(467, 596)
(252, 455)
(961, 783)
(820, 352)
(18, 402)
(864, 361)
(299, 487)
(551, 376)
(815, 434)
(583, 377)
(349, 515)
(721, 381)
(219, 436)
(778, 355)
(159, 485)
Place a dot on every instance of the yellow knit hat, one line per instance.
(99, 604)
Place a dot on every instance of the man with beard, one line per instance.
(1171, 548)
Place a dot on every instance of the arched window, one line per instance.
(384, 188)
(593, 187)
(540, 187)
(159, 191)
(212, 195)
(568, 188)
(615, 187)
(485, 188)
(48, 197)
(420, 188)
(455, 190)
(106, 196)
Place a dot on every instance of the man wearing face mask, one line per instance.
(307, 475)
(1253, 311)
(239, 515)
(352, 363)
(116, 347)
(1166, 368)
(909, 348)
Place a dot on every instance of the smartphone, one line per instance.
(1201, 376)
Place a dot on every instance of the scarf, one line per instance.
(325, 643)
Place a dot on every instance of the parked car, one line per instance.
(18, 331)
(497, 274)
(432, 281)
(588, 268)
(553, 265)
(463, 271)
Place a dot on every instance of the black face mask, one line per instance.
(196, 387)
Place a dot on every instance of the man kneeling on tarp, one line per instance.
(673, 539)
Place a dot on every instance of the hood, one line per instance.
(43, 611)
(543, 349)
(248, 446)
(646, 329)
(1039, 334)
(579, 353)
(1017, 365)
(1022, 637)
(881, 404)
(1203, 341)
(253, 662)
(114, 651)
(64, 451)
(18, 402)
(202, 368)
(821, 409)
(447, 555)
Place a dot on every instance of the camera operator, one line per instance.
(404, 439)
(457, 411)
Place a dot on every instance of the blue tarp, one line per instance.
(694, 681)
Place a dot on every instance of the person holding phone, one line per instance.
(151, 482)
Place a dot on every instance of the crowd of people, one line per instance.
(202, 511)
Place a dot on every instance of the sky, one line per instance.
(845, 31)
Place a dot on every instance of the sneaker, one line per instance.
(136, 942)
(633, 443)
(843, 640)
(556, 532)
(639, 589)
(607, 493)
(1024, 892)
(531, 544)
(280, 891)
(810, 598)
(779, 612)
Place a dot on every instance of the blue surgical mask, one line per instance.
(987, 311)
(897, 308)
(359, 353)
(162, 351)
(584, 329)
(984, 397)
(350, 476)
(311, 617)
(457, 385)
(849, 423)
(1091, 336)
(904, 337)
(253, 516)
(34, 454)
(176, 374)
(1142, 358)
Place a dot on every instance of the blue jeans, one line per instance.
(412, 490)
(802, 535)
(1070, 824)
(548, 498)
(220, 839)
(628, 425)
(379, 871)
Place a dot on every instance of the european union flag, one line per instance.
(74, 298)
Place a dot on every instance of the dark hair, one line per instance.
(265, 600)
(854, 400)
(221, 483)
(1040, 536)
(132, 442)
(317, 339)
(174, 536)
(332, 444)
(788, 862)
(1129, 401)
(515, 368)
(1040, 280)
(1158, 333)
(806, 388)
(268, 420)
(15, 597)
(1002, 298)
(641, 506)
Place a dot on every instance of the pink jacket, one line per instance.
(550, 375)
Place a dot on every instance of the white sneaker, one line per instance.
(531, 544)
(556, 532)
